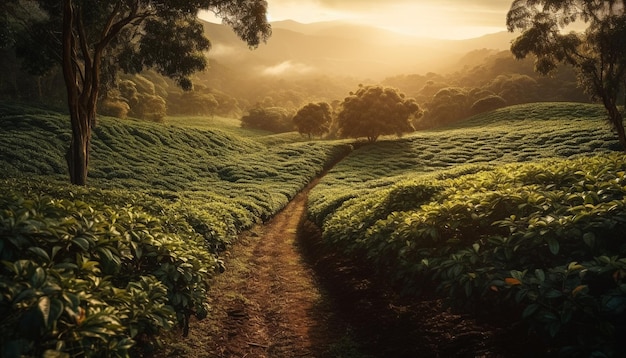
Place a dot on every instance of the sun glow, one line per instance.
(432, 19)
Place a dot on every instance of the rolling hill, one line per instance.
(503, 207)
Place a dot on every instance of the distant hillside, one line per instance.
(339, 48)
(142, 155)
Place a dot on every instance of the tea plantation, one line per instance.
(517, 210)
(98, 271)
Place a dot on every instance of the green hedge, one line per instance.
(535, 236)
(91, 280)
(517, 212)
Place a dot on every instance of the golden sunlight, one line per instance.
(444, 19)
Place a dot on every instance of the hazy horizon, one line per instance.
(338, 48)
(437, 19)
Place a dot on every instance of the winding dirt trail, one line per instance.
(284, 296)
(267, 303)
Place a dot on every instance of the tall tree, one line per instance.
(598, 54)
(373, 111)
(92, 40)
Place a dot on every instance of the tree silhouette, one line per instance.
(598, 54)
(314, 119)
(92, 40)
(374, 111)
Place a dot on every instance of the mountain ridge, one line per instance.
(342, 48)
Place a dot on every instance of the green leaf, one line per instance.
(55, 250)
(590, 239)
(553, 245)
(540, 275)
(81, 242)
(530, 310)
(574, 266)
(40, 253)
(552, 293)
(56, 309)
(39, 277)
(519, 275)
(44, 307)
(476, 247)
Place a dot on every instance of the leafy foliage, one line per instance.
(373, 111)
(597, 54)
(314, 119)
(541, 237)
(91, 280)
(273, 119)
(488, 103)
(99, 271)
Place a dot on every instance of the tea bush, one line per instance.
(541, 235)
(91, 280)
(527, 235)
(100, 270)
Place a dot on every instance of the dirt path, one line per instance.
(267, 303)
(284, 296)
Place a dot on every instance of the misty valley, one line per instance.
(328, 189)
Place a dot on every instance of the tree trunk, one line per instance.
(615, 118)
(81, 98)
(618, 124)
(78, 153)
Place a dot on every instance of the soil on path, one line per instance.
(267, 303)
(284, 295)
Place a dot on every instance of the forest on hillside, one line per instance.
(484, 79)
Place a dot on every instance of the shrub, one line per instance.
(543, 239)
(273, 119)
(487, 104)
(92, 280)
(113, 108)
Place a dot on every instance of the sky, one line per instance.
(449, 19)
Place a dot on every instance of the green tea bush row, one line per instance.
(535, 236)
(511, 134)
(220, 182)
(92, 280)
(496, 213)
(99, 270)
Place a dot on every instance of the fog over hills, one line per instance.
(343, 49)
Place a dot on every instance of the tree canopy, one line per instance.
(598, 54)
(93, 40)
(314, 119)
(273, 119)
(374, 111)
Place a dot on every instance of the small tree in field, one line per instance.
(314, 119)
(374, 111)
